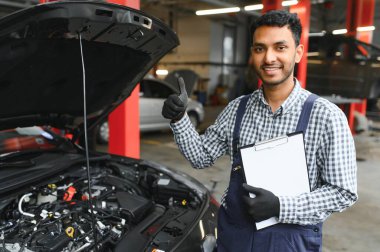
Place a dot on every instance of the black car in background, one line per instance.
(46, 193)
(344, 66)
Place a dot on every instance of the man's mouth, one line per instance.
(271, 69)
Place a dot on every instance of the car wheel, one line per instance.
(103, 133)
(194, 119)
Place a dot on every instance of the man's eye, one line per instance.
(258, 49)
(281, 48)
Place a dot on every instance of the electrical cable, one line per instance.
(86, 144)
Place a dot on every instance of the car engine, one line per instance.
(129, 199)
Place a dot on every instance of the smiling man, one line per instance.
(276, 109)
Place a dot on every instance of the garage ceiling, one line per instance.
(325, 14)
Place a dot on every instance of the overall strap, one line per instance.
(239, 117)
(303, 121)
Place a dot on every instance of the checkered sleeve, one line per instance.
(336, 164)
(202, 150)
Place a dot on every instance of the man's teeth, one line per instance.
(271, 68)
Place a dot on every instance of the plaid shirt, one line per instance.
(329, 146)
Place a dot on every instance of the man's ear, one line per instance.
(299, 53)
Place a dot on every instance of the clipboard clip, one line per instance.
(271, 143)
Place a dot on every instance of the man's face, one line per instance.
(274, 54)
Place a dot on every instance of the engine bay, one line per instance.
(135, 207)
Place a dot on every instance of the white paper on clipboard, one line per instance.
(277, 165)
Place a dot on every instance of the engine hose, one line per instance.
(20, 205)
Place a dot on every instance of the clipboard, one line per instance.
(277, 165)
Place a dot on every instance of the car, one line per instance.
(65, 67)
(153, 93)
(342, 65)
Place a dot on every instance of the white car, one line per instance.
(153, 93)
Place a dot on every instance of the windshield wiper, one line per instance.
(18, 164)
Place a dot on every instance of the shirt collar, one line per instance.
(289, 102)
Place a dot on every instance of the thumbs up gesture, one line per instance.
(175, 105)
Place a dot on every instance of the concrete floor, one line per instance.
(356, 230)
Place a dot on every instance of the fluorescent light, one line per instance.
(359, 29)
(289, 3)
(253, 7)
(162, 72)
(314, 61)
(317, 34)
(311, 54)
(338, 54)
(340, 31)
(217, 11)
(260, 6)
(365, 28)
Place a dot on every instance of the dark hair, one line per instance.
(279, 18)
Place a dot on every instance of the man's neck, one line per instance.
(276, 95)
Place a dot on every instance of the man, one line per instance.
(273, 111)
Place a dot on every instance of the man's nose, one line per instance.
(270, 56)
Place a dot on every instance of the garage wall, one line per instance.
(194, 35)
(202, 41)
(227, 75)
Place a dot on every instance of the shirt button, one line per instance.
(316, 230)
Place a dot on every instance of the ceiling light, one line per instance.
(365, 28)
(162, 72)
(289, 3)
(253, 7)
(312, 54)
(317, 34)
(217, 11)
(340, 31)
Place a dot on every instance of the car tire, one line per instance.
(193, 119)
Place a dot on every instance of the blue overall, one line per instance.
(236, 229)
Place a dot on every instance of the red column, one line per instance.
(271, 5)
(359, 13)
(303, 11)
(124, 121)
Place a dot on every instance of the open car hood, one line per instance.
(41, 77)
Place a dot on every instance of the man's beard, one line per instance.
(278, 82)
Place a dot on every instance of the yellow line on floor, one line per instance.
(153, 142)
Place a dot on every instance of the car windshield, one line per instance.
(28, 138)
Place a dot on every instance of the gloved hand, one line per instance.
(264, 206)
(175, 105)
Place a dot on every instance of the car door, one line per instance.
(152, 97)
